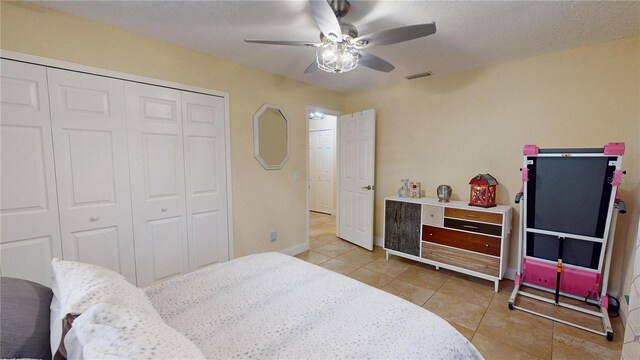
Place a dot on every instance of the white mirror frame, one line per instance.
(256, 136)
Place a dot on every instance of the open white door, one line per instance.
(356, 187)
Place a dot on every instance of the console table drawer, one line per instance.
(432, 215)
(473, 226)
(462, 240)
(463, 259)
(473, 215)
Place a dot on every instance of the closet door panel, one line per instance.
(29, 259)
(23, 158)
(30, 230)
(92, 166)
(164, 233)
(154, 119)
(206, 238)
(99, 246)
(205, 167)
(161, 165)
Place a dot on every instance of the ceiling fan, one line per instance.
(340, 48)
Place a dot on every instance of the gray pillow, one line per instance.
(24, 319)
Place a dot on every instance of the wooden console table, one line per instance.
(453, 235)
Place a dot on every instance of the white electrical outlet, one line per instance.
(273, 235)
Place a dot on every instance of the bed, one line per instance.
(262, 306)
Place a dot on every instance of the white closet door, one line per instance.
(321, 170)
(92, 167)
(154, 118)
(205, 170)
(30, 234)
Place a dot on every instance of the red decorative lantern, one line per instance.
(483, 191)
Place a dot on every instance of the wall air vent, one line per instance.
(420, 75)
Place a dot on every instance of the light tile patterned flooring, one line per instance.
(467, 303)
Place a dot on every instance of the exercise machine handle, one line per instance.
(519, 197)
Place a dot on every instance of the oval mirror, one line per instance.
(271, 136)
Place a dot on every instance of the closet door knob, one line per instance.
(164, 209)
(94, 218)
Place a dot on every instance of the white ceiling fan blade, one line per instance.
(374, 62)
(397, 35)
(311, 68)
(282, 42)
(325, 18)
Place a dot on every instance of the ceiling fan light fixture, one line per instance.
(337, 57)
(341, 48)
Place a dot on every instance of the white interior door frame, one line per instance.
(39, 60)
(309, 109)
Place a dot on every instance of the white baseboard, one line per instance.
(296, 249)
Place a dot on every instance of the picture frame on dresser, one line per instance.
(451, 235)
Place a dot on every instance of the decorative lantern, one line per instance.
(483, 191)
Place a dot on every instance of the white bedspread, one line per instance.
(272, 305)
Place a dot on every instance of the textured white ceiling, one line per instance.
(470, 33)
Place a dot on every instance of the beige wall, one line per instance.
(446, 129)
(263, 200)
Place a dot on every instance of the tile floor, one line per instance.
(467, 303)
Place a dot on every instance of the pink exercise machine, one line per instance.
(568, 210)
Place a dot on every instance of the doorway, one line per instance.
(341, 172)
(322, 176)
(322, 163)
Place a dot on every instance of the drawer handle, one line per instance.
(430, 234)
(94, 218)
(431, 215)
(469, 226)
(164, 209)
(471, 216)
(487, 245)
